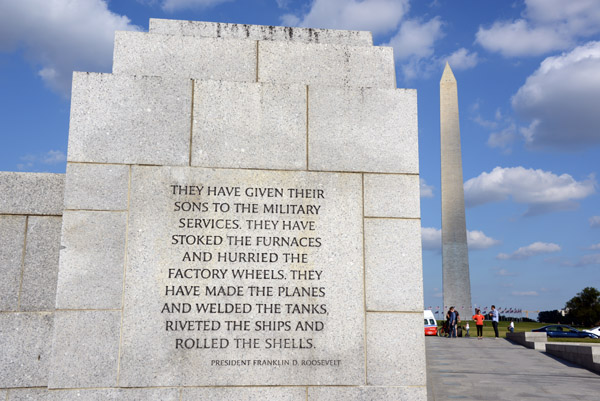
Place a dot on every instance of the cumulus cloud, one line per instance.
(461, 59)
(60, 36)
(560, 101)
(595, 221)
(176, 5)
(528, 251)
(426, 190)
(586, 260)
(431, 239)
(377, 16)
(413, 46)
(595, 247)
(545, 26)
(542, 191)
(504, 273)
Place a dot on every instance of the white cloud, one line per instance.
(504, 273)
(547, 25)
(595, 221)
(528, 251)
(413, 46)
(31, 162)
(525, 293)
(478, 240)
(431, 239)
(175, 5)
(60, 36)
(461, 59)
(503, 139)
(595, 247)
(560, 99)
(586, 260)
(542, 191)
(377, 16)
(426, 190)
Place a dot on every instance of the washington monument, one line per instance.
(455, 254)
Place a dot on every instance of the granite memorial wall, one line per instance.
(240, 220)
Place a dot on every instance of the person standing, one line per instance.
(495, 319)
(451, 316)
(478, 317)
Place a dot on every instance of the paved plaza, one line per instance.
(490, 369)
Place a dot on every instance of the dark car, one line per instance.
(562, 330)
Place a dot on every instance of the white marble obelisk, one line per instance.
(455, 254)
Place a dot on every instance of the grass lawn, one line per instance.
(488, 330)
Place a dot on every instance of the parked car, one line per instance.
(594, 330)
(430, 324)
(562, 330)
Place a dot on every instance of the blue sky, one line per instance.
(528, 76)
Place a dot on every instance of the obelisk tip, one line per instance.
(447, 76)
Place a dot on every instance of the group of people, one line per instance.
(453, 319)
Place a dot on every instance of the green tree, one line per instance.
(584, 308)
(550, 316)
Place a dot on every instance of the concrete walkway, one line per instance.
(489, 369)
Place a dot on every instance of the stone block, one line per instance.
(160, 394)
(40, 271)
(259, 32)
(25, 349)
(244, 394)
(283, 350)
(12, 238)
(362, 129)
(96, 186)
(31, 193)
(249, 125)
(393, 255)
(369, 393)
(85, 349)
(130, 119)
(140, 53)
(326, 64)
(391, 195)
(92, 260)
(395, 349)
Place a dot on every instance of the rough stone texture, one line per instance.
(96, 186)
(38, 291)
(455, 254)
(161, 394)
(85, 349)
(392, 195)
(92, 260)
(249, 125)
(139, 53)
(129, 119)
(259, 32)
(31, 193)
(367, 393)
(25, 348)
(311, 64)
(12, 238)
(586, 355)
(244, 394)
(150, 254)
(395, 349)
(362, 129)
(392, 250)
(533, 340)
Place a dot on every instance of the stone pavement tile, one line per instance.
(499, 370)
